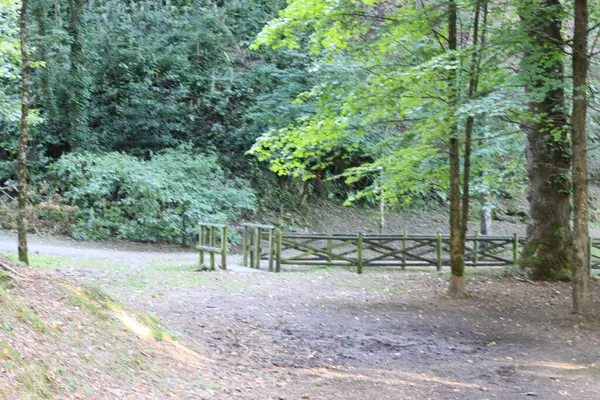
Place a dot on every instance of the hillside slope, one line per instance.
(64, 341)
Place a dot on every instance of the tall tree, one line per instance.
(77, 110)
(22, 165)
(582, 298)
(457, 251)
(547, 250)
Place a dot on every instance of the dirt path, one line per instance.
(330, 334)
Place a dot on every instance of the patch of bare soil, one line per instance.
(335, 335)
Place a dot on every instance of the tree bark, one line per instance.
(22, 162)
(582, 297)
(457, 257)
(546, 254)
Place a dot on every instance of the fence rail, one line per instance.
(364, 250)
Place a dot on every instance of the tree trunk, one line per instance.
(582, 297)
(457, 256)
(22, 162)
(77, 93)
(546, 254)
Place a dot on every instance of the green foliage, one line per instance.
(383, 93)
(121, 196)
(9, 61)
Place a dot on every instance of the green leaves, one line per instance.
(384, 93)
(162, 199)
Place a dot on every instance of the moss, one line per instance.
(22, 313)
(547, 258)
(38, 380)
(92, 299)
(5, 279)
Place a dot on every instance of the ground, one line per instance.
(331, 334)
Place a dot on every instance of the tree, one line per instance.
(22, 166)
(77, 107)
(582, 298)
(457, 242)
(547, 250)
(411, 87)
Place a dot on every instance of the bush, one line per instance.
(157, 200)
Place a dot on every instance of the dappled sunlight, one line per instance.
(141, 326)
(394, 377)
(175, 349)
(557, 365)
(134, 326)
(554, 370)
(353, 377)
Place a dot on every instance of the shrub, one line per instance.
(158, 200)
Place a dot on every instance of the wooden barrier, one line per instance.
(260, 243)
(364, 250)
(594, 261)
(209, 243)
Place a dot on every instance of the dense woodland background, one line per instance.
(148, 116)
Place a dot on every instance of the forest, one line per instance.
(136, 121)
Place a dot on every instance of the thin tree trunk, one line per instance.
(582, 297)
(457, 258)
(470, 124)
(546, 254)
(77, 115)
(22, 162)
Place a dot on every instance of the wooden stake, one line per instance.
(245, 247)
(476, 249)
(201, 241)
(515, 249)
(359, 253)
(271, 250)
(438, 252)
(404, 250)
(213, 242)
(257, 250)
(279, 246)
(224, 248)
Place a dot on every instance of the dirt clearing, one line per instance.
(330, 334)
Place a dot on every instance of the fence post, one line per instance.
(279, 246)
(438, 251)
(213, 243)
(404, 250)
(257, 242)
(590, 249)
(271, 250)
(201, 239)
(359, 251)
(245, 247)
(329, 250)
(251, 248)
(515, 249)
(476, 249)
(224, 247)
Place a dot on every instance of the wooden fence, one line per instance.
(594, 253)
(362, 250)
(261, 242)
(212, 240)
